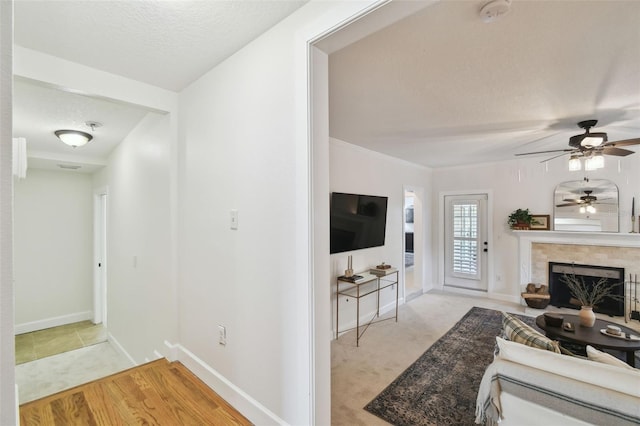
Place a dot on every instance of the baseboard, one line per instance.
(117, 346)
(42, 324)
(465, 291)
(505, 297)
(257, 413)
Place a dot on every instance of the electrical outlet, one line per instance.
(222, 335)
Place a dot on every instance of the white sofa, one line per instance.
(530, 386)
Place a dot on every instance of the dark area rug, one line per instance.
(440, 388)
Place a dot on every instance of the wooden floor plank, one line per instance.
(72, 409)
(157, 393)
(104, 411)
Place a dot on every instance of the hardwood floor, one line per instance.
(157, 393)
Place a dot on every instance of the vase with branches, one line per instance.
(589, 296)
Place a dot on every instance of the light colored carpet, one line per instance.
(388, 348)
(46, 376)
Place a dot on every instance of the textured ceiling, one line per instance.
(168, 44)
(443, 88)
(438, 88)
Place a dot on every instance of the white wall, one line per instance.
(245, 147)
(526, 183)
(141, 308)
(357, 170)
(8, 400)
(53, 249)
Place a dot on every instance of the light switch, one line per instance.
(234, 219)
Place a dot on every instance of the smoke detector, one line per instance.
(494, 10)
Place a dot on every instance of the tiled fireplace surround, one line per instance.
(538, 248)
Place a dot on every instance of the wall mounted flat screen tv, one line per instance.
(357, 221)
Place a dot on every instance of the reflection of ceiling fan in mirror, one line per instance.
(591, 146)
(587, 199)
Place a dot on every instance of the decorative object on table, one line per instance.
(587, 317)
(614, 330)
(621, 335)
(567, 326)
(520, 219)
(553, 320)
(589, 297)
(350, 279)
(540, 222)
(536, 296)
(349, 271)
(381, 270)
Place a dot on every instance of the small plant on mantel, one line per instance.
(520, 219)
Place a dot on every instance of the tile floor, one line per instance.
(43, 377)
(43, 343)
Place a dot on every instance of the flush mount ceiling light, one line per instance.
(76, 138)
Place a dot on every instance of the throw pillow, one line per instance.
(517, 331)
(598, 356)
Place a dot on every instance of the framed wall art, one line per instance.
(540, 222)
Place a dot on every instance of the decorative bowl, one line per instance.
(615, 330)
(553, 320)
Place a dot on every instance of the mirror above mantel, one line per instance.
(589, 205)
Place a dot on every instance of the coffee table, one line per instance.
(592, 336)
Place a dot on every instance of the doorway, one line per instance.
(412, 253)
(100, 257)
(465, 242)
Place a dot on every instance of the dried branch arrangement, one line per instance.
(590, 297)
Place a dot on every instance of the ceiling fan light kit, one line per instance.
(594, 162)
(575, 164)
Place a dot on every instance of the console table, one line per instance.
(365, 286)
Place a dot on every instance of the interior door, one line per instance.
(466, 244)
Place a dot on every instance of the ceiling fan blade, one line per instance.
(610, 150)
(566, 151)
(625, 142)
(545, 152)
(568, 205)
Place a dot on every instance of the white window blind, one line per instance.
(465, 238)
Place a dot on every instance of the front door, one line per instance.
(466, 243)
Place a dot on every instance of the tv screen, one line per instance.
(357, 221)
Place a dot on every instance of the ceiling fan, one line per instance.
(590, 144)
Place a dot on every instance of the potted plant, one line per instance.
(588, 297)
(520, 219)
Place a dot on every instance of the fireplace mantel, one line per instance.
(527, 238)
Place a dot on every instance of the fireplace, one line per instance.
(561, 296)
